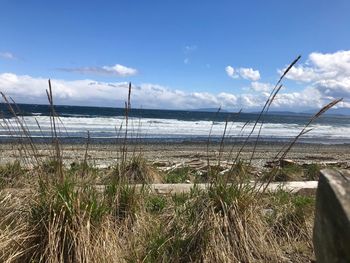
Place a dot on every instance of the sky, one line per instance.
(178, 54)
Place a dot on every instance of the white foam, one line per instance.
(109, 127)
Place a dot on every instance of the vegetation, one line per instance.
(312, 171)
(76, 221)
(10, 174)
(295, 172)
(65, 214)
(179, 175)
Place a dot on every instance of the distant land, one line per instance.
(338, 111)
(209, 110)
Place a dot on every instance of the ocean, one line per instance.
(108, 125)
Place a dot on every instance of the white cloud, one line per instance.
(309, 98)
(117, 70)
(246, 73)
(301, 73)
(27, 89)
(249, 73)
(230, 71)
(24, 88)
(338, 62)
(328, 73)
(261, 87)
(7, 55)
(120, 70)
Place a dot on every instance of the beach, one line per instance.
(167, 154)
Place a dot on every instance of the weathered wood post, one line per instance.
(331, 235)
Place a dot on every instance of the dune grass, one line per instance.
(53, 213)
(73, 221)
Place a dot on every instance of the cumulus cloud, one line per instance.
(230, 71)
(261, 87)
(308, 98)
(120, 70)
(116, 70)
(246, 73)
(301, 73)
(328, 73)
(249, 73)
(7, 55)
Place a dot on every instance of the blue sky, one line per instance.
(175, 48)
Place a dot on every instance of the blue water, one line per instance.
(108, 124)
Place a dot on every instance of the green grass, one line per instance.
(156, 203)
(71, 219)
(62, 220)
(179, 175)
(11, 174)
(290, 215)
(312, 172)
(291, 172)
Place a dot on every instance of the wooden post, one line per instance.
(332, 219)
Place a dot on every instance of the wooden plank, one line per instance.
(185, 188)
(332, 219)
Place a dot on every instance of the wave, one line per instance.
(112, 127)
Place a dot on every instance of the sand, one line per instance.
(103, 155)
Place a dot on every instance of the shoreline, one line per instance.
(174, 140)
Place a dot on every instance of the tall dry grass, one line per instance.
(60, 215)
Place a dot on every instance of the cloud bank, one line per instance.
(27, 89)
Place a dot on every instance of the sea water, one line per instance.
(108, 124)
